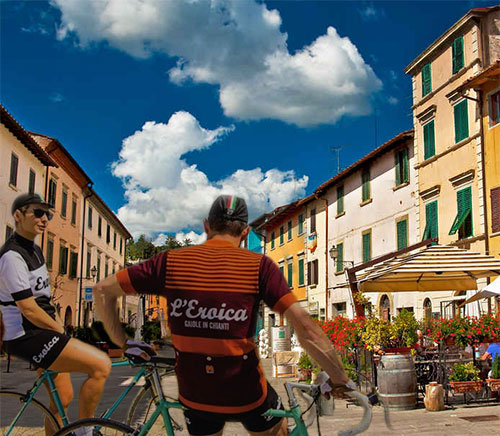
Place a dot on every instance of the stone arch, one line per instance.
(68, 317)
(385, 306)
(427, 311)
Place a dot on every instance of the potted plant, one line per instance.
(464, 377)
(494, 381)
(305, 367)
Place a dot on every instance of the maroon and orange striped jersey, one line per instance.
(213, 293)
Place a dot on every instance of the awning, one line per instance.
(492, 290)
(434, 268)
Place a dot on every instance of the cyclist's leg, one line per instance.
(77, 356)
(280, 429)
(65, 391)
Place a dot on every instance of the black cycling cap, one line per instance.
(27, 199)
(229, 207)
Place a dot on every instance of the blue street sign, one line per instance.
(88, 294)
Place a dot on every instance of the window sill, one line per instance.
(313, 286)
(15, 188)
(288, 240)
(281, 245)
(494, 235)
(340, 214)
(364, 203)
(400, 186)
(300, 234)
(302, 285)
(338, 273)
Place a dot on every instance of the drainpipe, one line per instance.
(45, 197)
(88, 195)
(326, 259)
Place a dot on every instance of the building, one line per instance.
(448, 141)
(103, 245)
(370, 211)
(62, 242)
(23, 168)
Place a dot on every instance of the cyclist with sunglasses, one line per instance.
(32, 328)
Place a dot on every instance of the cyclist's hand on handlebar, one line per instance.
(329, 389)
(137, 355)
(131, 344)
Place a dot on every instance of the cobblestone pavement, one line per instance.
(412, 422)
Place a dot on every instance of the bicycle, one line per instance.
(163, 404)
(18, 422)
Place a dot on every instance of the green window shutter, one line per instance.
(397, 164)
(290, 275)
(301, 224)
(289, 230)
(426, 80)
(429, 142)
(272, 240)
(50, 253)
(340, 199)
(463, 209)
(406, 172)
(365, 179)
(63, 260)
(340, 257)
(458, 54)
(461, 121)
(402, 234)
(73, 260)
(282, 269)
(282, 235)
(367, 250)
(301, 272)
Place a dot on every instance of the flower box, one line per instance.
(461, 387)
(493, 384)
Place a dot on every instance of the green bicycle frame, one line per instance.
(294, 413)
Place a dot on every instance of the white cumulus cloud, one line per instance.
(238, 46)
(166, 194)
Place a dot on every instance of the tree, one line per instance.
(141, 249)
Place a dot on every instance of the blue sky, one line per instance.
(239, 96)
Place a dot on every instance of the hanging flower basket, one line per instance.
(461, 387)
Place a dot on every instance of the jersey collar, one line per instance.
(218, 243)
(26, 243)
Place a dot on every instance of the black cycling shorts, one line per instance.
(39, 347)
(207, 423)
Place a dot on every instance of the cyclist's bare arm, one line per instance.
(36, 315)
(317, 345)
(106, 294)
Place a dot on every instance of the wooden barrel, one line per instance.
(397, 381)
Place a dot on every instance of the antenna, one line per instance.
(337, 150)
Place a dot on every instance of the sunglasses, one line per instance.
(39, 213)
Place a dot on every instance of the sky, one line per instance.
(168, 103)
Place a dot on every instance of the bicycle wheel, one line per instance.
(142, 407)
(98, 427)
(14, 421)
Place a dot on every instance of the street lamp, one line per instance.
(334, 254)
(93, 271)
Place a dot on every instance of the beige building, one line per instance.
(61, 242)
(104, 238)
(23, 167)
(448, 143)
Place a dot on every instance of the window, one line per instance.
(108, 233)
(495, 108)
(426, 80)
(90, 218)
(365, 181)
(64, 202)
(339, 263)
(49, 257)
(402, 234)
(289, 230)
(401, 164)
(114, 240)
(63, 259)
(313, 220)
(282, 235)
(301, 224)
(461, 121)
(431, 221)
(113, 269)
(340, 199)
(52, 192)
(14, 163)
(367, 246)
(339, 309)
(301, 272)
(106, 268)
(273, 236)
(73, 211)
(98, 275)
(99, 226)
(312, 272)
(289, 274)
(282, 269)
(495, 210)
(121, 245)
(73, 261)
(463, 220)
(87, 267)
(8, 232)
(429, 140)
(31, 183)
(457, 51)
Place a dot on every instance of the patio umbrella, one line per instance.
(492, 290)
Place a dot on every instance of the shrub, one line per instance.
(464, 372)
(305, 361)
(495, 369)
(150, 331)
